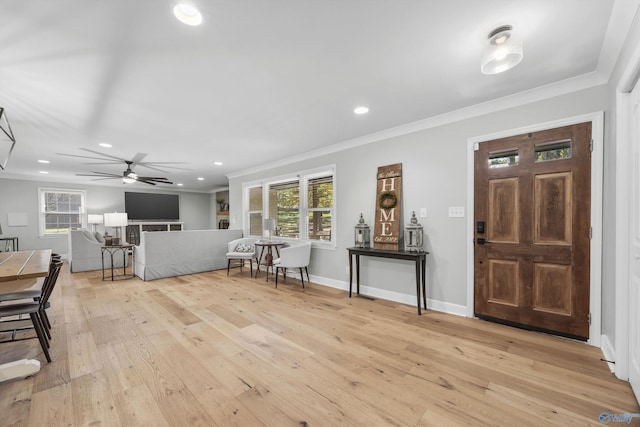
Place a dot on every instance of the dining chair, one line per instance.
(36, 309)
(242, 250)
(293, 257)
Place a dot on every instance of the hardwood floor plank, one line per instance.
(180, 312)
(93, 401)
(83, 355)
(15, 401)
(52, 407)
(136, 407)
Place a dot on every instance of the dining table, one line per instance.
(17, 266)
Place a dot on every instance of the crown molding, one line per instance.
(563, 87)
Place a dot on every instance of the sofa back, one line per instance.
(85, 252)
(174, 253)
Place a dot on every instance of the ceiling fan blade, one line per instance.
(92, 158)
(104, 162)
(155, 180)
(138, 158)
(165, 165)
(146, 182)
(102, 174)
(103, 154)
(102, 179)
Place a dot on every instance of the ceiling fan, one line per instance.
(128, 176)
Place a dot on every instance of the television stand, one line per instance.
(135, 228)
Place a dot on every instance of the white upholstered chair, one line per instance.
(293, 257)
(242, 250)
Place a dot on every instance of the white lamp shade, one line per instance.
(95, 219)
(115, 219)
(269, 224)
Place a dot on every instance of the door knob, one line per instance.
(637, 256)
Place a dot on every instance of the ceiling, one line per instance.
(259, 80)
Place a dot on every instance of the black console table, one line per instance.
(14, 243)
(420, 259)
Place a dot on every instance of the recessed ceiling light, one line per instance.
(361, 110)
(44, 172)
(217, 163)
(187, 14)
(200, 178)
(44, 161)
(179, 185)
(105, 145)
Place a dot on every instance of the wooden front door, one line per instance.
(532, 230)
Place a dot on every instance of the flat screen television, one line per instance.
(152, 207)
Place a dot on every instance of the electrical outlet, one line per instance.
(346, 270)
(423, 212)
(456, 211)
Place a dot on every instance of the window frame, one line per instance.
(303, 178)
(246, 204)
(42, 192)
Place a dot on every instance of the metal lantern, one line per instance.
(362, 234)
(413, 235)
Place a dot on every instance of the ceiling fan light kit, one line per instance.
(503, 51)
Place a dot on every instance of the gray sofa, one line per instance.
(85, 252)
(176, 253)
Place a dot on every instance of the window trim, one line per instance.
(41, 209)
(303, 178)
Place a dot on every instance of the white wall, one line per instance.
(434, 176)
(22, 196)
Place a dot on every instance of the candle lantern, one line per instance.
(362, 234)
(413, 235)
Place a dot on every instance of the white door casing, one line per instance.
(633, 253)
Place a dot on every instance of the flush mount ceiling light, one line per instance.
(105, 145)
(361, 110)
(217, 163)
(187, 14)
(503, 52)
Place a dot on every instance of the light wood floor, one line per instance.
(207, 350)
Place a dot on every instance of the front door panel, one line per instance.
(533, 194)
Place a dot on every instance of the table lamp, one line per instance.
(269, 224)
(95, 219)
(116, 220)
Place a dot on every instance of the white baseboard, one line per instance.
(445, 307)
(608, 351)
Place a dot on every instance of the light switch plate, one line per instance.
(456, 211)
(423, 212)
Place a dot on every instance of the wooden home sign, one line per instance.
(386, 233)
